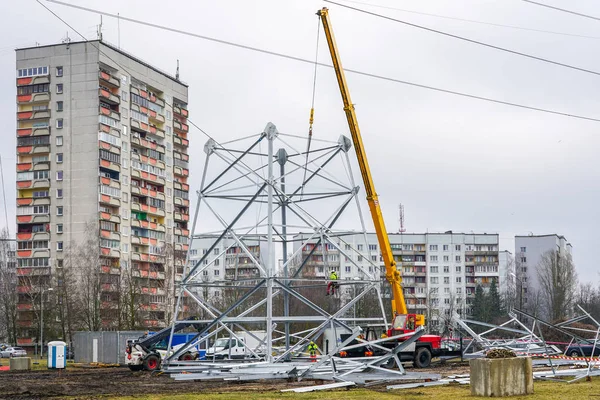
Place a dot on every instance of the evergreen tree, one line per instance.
(494, 302)
(479, 305)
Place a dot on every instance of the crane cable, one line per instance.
(312, 105)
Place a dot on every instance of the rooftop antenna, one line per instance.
(67, 39)
(99, 33)
(401, 218)
(177, 72)
(119, 31)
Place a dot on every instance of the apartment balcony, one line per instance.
(152, 161)
(142, 126)
(104, 216)
(23, 167)
(42, 131)
(108, 200)
(143, 241)
(181, 171)
(113, 183)
(156, 131)
(147, 257)
(33, 98)
(108, 79)
(35, 149)
(110, 165)
(33, 219)
(181, 217)
(106, 269)
(147, 192)
(148, 274)
(181, 186)
(110, 235)
(109, 97)
(148, 209)
(181, 201)
(148, 177)
(180, 126)
(33, 115)
(109, 129)
(155, 226)
(180, 111)
(34, 253)
(180, 141)
(181, 247)
(156, 117)
(26, 236)
(147, 144)
(157, 100)
(33, 80)
(485, 253)
(108, 252)
(181, 232)
(110, 113)
(33, 201)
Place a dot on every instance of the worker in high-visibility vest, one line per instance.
(332, 282)
(312, 350)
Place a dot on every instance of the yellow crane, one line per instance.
(392, 274)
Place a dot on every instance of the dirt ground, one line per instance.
(94, 383)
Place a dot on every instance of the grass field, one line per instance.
(543, 391)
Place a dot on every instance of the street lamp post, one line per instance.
(42, 321)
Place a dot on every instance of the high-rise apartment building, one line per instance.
(529, 251)
(506, 271)
(102, 154)
(440, 271)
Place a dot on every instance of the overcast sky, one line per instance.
(455, 163)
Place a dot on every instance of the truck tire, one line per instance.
(136, 367)
(422, 358)
(152, 363)
(187, 357)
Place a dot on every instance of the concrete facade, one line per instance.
(528, 253)
(506, 271)
(440, 271)
(102, 148)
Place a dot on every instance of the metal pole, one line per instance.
(281, 159)
(271, 132)
(42, 324)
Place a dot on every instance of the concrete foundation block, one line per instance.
(20, 364)
(500, 377)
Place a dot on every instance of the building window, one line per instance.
(458, 268)
(445, 247)
(374, 258)
(59, 175)
(433, 258)
(168, 130)
(125, 197)
(216, 272)
(59, 140)
(359, 247)
(59, 210)
(59, 123)
(125, 146)
(59, 246)
(434, 269)
(125, 230)
(457, 258)
(457, 247)
(523, 259)
(59, 158)
(125, 248)
(59, 71)
(169, 192)
(124, 130)
(125, 180)
(169, 115)
(446, 258)
(59, 88)
(59, 228)
(433, 247)
(59, 106)
(124, 96)
(434, 280)
(523, 249)
(348, 269)
(35, 71)
(59, 193)
(446, 280)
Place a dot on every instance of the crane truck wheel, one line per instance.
(422, 358)
(152, 363)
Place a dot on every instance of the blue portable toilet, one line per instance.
(57, 355)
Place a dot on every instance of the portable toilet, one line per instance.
(57, 355)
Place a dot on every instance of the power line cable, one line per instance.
(312, 62)
(562, 9)
(491, 46)
(472, 20)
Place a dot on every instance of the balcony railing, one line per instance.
(108, 96)
(109, 79)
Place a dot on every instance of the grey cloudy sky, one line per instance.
(455, 163)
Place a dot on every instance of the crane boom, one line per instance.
(392, 274)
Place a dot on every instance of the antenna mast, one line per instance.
(401, 218)
(177, 72)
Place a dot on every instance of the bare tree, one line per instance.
(558, 284)
(8, 295)
(85, 256)
(67, 295)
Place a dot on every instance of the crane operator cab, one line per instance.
(406, 323)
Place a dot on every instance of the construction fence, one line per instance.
(102, 347)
